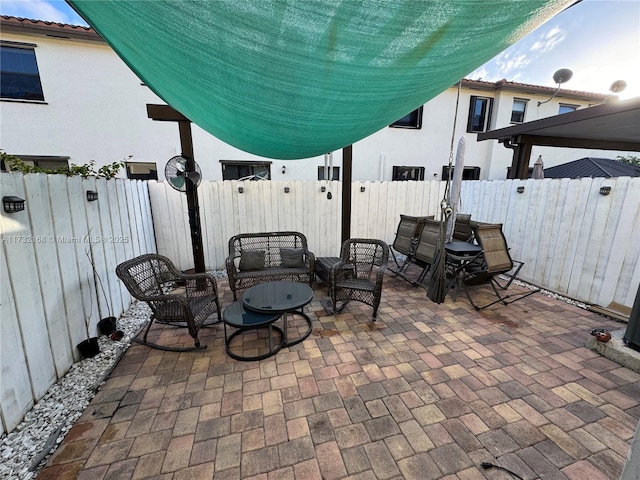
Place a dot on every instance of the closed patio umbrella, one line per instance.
(538, 169)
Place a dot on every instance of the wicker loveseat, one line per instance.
(266, 257)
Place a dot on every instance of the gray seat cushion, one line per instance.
(251, 260)
(292, 257)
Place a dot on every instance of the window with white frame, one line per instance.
(479, 114)
(19, 75)
(566, 108)
(518, 110)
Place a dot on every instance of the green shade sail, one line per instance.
(292, 79)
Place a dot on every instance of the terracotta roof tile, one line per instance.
(18, 24)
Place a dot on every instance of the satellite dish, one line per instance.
(175, 171)
(563, 75)
(618, 86)
(560, 76)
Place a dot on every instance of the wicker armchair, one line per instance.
(175, 298)
(359, 273)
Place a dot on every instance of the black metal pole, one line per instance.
(632, 333)
(186, 144)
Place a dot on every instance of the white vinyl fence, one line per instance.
(572, 239)
(49, 297)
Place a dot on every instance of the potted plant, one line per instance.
(107, 325)
(89, 348)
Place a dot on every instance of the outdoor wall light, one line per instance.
(362, 189)
(13, 204)
(286, 189)
(240, 189)
(605, 190)
(92, 196)
(323, 189)
(284, 169)
(520, 189)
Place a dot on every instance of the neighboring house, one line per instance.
(68, 98)
(592, 167)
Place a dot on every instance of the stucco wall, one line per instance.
(95, 109)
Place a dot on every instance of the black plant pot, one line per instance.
(107, 325)
(89, 348)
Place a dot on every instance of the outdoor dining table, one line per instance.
(459, 254)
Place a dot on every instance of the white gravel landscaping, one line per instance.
(25, 450)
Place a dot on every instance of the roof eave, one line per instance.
(26, 26)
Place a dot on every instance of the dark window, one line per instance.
(479, 114)
(19, 77)
(518, 110)
(563, 108)
(245, 170)
(410, 120)
(408, 173)
(529, 172)
(48, 162)
(142, 171)
(469, 173)
(335, 176)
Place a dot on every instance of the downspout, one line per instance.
(519, 160)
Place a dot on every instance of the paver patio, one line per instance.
(427, 392)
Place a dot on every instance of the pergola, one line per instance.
(610, 126)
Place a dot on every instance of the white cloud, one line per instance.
(480, 74)
(548, 40)
(508, 62)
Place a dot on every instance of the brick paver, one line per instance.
(428, 391)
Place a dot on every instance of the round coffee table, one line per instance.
(281, 298)
(235, 315)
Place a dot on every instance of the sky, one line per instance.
(599, 40)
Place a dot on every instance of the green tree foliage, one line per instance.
(629, 159)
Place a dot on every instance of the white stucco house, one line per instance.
(68, 98)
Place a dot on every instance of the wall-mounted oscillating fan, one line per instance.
(177, 176)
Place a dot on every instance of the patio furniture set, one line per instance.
(477, 254)
(276, 271)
